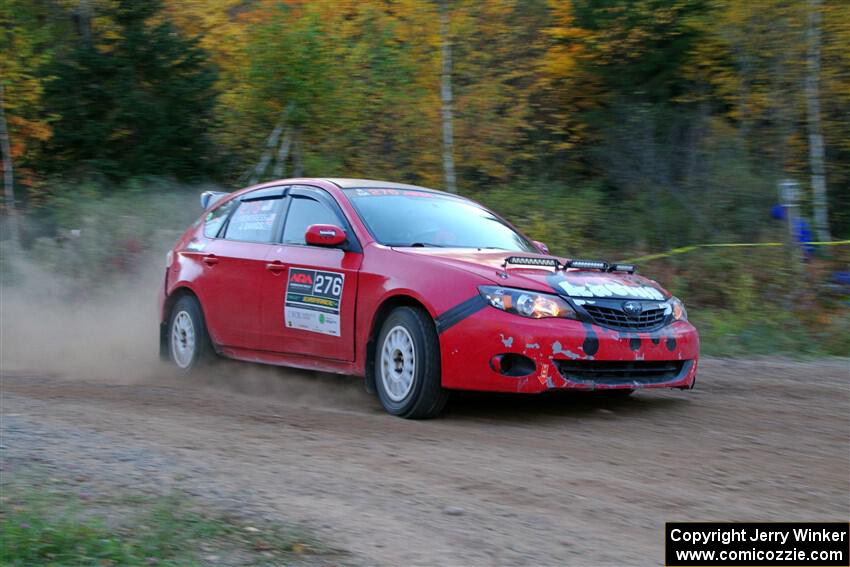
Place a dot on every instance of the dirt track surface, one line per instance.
(498, 480)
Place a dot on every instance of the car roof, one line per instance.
(351, 183)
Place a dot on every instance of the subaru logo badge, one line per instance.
(632, 307)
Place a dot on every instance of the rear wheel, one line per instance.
(189, 345)
(407, 365)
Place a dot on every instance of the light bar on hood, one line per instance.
(587, 264)
(628, 268)
(528, 261)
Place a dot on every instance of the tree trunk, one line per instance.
(816, 149)
(446, 99)
(82, 21)
(298, 163)
(271, 144)
(282, 155)
(8, 176)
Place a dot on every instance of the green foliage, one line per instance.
(340, 82)
(30, 539)
(58, 528)
(90, 234)
(740, 334)
(136, 101)
(752, 301)
(561, 217)
(639, 48)
(25, 49)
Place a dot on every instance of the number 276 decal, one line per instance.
(329, 283)
(313, 300)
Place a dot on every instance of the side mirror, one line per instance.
(542, 247)
(210, 198)
(324, 235)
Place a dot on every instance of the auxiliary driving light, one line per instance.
(587, 264)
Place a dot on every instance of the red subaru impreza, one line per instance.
(420, 291)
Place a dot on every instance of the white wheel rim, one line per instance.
(183, 339)
(398, 363)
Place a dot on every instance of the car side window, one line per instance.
(253, 220)
(304, 211)
(216, 218)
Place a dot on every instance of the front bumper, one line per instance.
(566, 354)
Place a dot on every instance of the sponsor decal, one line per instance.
(313, 299)
(254, 216)
(302, 278)
(610, 289)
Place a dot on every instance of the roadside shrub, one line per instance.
(560, 216)
(89, 234)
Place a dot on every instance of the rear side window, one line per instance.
(253, 221)
(216, 218)
(304, 211)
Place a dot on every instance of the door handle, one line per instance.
(275, 267)
(210, 259)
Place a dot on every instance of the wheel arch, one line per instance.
(381, 313)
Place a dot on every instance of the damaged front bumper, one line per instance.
(491, 350)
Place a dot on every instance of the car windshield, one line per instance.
(400, 217)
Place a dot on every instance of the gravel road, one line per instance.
(503, 480)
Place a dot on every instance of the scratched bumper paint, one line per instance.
(468, 347)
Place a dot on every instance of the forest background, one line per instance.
(605, 128)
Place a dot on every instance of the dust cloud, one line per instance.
(49, 325)
(98, 321)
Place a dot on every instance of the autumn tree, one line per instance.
(678, 116)
(25, 49)
(130, 98)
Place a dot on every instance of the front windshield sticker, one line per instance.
(609, 289)
(313, 300)
(392, 192)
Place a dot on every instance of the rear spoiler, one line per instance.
(210, 198)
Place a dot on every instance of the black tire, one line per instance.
(425, 397)
(202, 353)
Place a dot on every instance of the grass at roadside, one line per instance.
(726, 334)
(50, 522)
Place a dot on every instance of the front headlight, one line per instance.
(527, 303)
(679, 312)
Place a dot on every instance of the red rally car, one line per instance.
(420, 291)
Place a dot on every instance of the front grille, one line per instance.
(615, 318)
(615, 371)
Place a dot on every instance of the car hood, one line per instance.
(580, 284)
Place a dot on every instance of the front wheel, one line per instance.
(189, 344)
(407, 365)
